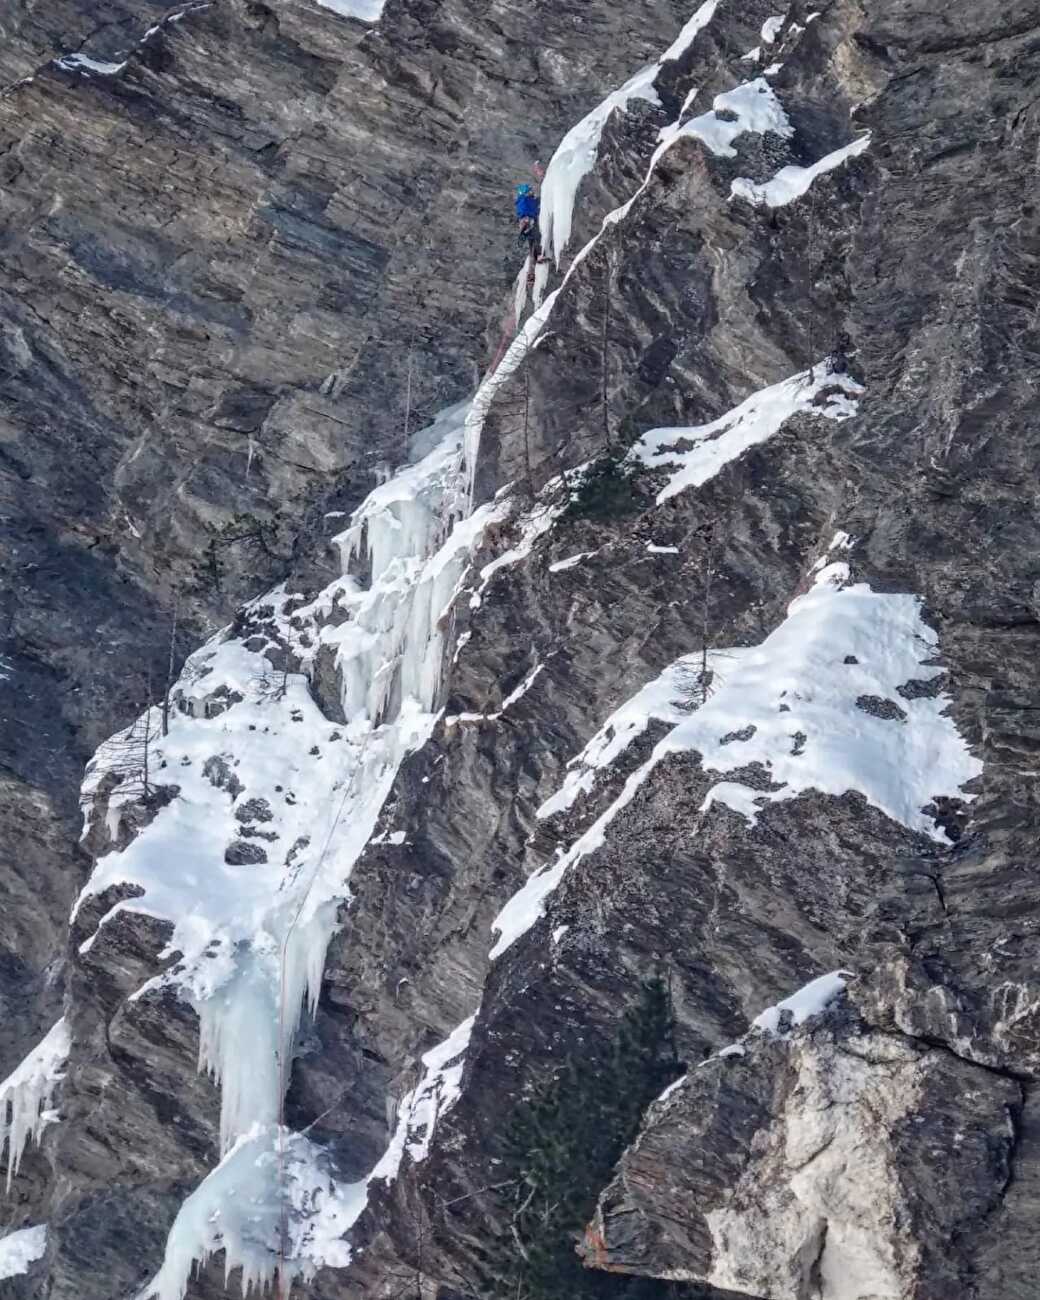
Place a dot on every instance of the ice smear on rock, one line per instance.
(233, 1211)
(27, 1094)
(541, 280)
(576, 154)
(422, 1108)
(20, 1249)
(697, 453)
(514, 357)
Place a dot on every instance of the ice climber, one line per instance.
(527, 209)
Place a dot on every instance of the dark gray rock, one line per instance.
(243, 853)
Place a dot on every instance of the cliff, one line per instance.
(596, 858)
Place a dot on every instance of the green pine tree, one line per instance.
(560, 1146)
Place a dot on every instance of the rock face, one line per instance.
(731, 568)
(797, 1156)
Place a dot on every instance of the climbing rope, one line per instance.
(810, 285)
(408, 394)
(510, 326)
(509, 329)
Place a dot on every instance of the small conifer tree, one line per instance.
(561, 1145)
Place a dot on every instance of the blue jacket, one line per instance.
(527, 205)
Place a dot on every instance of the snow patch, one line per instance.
(82, 63)
(533, 524)
(699, 452)
(511, 699)
(423, 1108)
(751, 107)
(20, 1249)
(664, 698)
(795, 699)
(771, 28)
(668, 698)
(561, 566)
(673, 1087)
(85, 64)
(792, 706)
(366, 11)
(701, 18)
(811, 1000)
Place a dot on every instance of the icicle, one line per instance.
(27, 1094)
(520, 289)
(541, 279)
